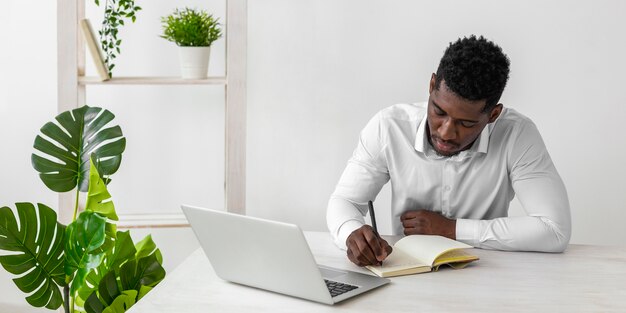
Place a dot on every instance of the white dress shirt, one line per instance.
(474, 187)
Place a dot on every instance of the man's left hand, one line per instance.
(425, 222)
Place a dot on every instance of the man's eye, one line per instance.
(439, 112)
(468, 124)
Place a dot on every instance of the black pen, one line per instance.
(372, 217)
(370, 207)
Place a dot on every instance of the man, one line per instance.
(454, 164)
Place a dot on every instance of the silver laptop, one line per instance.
(272, 256)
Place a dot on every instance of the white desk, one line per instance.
(583, 279)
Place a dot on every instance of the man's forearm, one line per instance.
(526, 233)
(342, 218)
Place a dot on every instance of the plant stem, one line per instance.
(71, 305)
(66, 298)
(76, 204)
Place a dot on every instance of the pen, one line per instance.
(370, 207)
(372, 217)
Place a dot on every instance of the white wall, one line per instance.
(320, 69)
(27, 95)
(27, 100)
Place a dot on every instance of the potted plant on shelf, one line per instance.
(86, 266)
(193, 31)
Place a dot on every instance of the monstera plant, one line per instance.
(86, 266)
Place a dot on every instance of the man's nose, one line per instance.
(447, 130)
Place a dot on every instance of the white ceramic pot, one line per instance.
(194, 62)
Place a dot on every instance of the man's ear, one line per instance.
(495, 112)
(433, 77)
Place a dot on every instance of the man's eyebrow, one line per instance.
(442, 110)
(438, 107)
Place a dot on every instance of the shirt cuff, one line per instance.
(468, 231)
(344, 231)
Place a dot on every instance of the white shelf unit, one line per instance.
(72, 84)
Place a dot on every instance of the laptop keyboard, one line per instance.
(337, 288)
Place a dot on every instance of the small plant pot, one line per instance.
(194, 62)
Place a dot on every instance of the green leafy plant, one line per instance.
(86, 266)
(38, 243)
(115, 12)
(191, 28)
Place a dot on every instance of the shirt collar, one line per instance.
(422, 144)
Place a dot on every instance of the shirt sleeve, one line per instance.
(540, 190)
(361, 181)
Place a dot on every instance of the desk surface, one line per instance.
(583, 279)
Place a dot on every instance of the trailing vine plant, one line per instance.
(115, 12)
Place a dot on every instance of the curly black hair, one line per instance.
(474, 69)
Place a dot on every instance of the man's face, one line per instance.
(454, 123)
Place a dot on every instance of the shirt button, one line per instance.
(446, 188)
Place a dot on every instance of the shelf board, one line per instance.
(150, 220)
(93, 80)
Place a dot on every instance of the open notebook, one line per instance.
(423, 253)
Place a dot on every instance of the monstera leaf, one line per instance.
(146, 271)
(135, 274)
(84, 236)
(108, 290)
(146, 247)
(39, 259)
(99, 201)
(122, 302)
(98, 197)
(67, 148)
(123, 251)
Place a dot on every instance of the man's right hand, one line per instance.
(367, 248)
